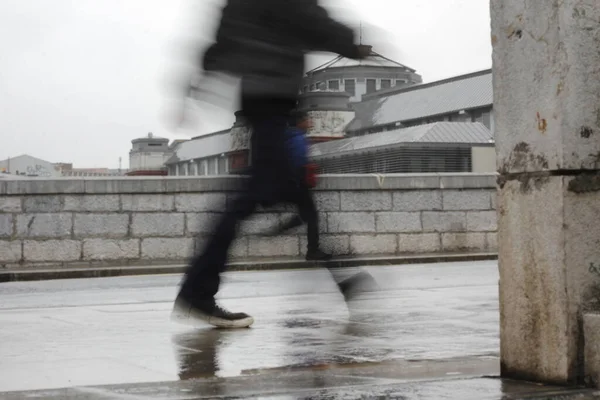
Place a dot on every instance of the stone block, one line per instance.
(467, 180)
(10, 251)
(51, 250)
(91, 203)
(273, 247)
(338, 245)
(147, 202)
(366, 200)
(302, 230)
(494, 198)
(201, 202)
(44, 187)
(42, 204)
(259, 224)
(197, 184)
(591, 337)
(59, 225)
(491, 241)
(203, 223)
(482, 221)
(6, 225)
(238, 249)
(122, 185)
(350, 222)
(158, 224)
(104, 225)
(10, 204)
(546, 96)
(417, 200)
(327, 201)
(167, 248)
(373, 244)
(419, 243)
(464, 241)
(549, 261)
(111, 249)
(466, 200)
(378, 182)
(444, 221)
(398, 222)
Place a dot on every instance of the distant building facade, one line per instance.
(26, 165)
(359, 77)
(148, 155)
(379, 98)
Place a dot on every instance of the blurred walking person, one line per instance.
(264, 43)
(305, 179)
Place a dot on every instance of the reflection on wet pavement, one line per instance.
(428, 327)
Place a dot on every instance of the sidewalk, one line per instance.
(26, 273)
(429, 332)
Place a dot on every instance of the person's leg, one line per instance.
(201, 283)
(202, 280)
(308, 213)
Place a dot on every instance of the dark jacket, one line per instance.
(297, 146)
(264, 42)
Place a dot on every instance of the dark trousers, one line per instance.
(307, 213)
(270, 182)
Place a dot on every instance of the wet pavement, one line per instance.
(430, 331)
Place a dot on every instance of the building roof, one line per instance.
(374, 60)
(425, 100)
(439, 132)
(202, 147)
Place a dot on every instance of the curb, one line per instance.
(105, 272)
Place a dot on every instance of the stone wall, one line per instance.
(155, 219)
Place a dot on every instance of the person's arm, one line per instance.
(320, 32)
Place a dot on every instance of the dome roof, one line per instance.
(374, 60)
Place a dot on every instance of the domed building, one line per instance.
(148, 155)
(379, 98)
(359, 77)
(330, 91)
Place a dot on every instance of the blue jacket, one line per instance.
(297, 146)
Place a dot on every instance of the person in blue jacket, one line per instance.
(298, 146)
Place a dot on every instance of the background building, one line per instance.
(149, 155)
(26, 165)
(359, 77)
(437, 147)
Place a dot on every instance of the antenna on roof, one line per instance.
(360, 37)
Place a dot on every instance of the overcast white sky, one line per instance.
(79, 79)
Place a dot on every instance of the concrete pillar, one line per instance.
(546, 62)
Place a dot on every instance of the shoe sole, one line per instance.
(191, 317)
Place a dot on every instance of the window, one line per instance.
(350, 86)
(371, 85)
(400, 82)
(222, 165)
(305, 89)
(313, 87)
(386, 83)
(334, 85)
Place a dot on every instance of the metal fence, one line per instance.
(408, 159)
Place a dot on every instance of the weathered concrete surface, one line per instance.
(546, 86)
(591, 330)
(112, 222)
(547, 102)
